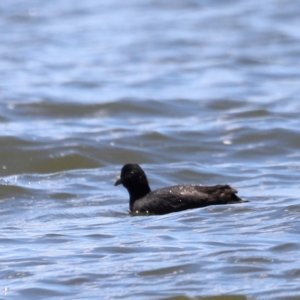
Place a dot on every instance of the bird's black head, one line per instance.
(134, 180)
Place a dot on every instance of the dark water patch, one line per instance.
(8, 274)
(54, 238)
(123, 107)
(50, 159)
(63, 196)
(285, 247)
(117, 250)
(293, 209)
(15, 192)
(255, 260)
(98, 236)
(224, 297)
(246, 269)
(65, 162)
(294, 273)
(40, 293)
(226, 105)
(169, 270)
(3, 119)
(75, 281)
(29, 261)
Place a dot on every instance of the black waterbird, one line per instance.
(170, 199)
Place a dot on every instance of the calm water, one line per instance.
(196, 92)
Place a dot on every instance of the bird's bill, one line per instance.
(118, 181)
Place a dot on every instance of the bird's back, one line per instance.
(182, 197)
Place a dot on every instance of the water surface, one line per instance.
(202, 92)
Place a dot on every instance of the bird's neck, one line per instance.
(138, 193)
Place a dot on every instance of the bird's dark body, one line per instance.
(182, 197)
(170, 199)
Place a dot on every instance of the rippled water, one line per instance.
(200, 92)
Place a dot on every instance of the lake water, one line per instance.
(203, 92)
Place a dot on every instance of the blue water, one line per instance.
(203, 92)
